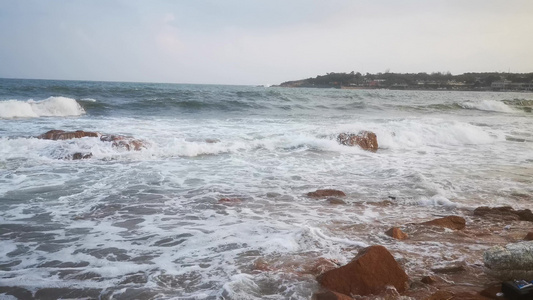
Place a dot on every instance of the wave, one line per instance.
(488, 105)
(50, 107)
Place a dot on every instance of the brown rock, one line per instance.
(329, 295)
(370, 272)
(451, 222)
(505, 213)
(66, 135)
(326, 193)
(428, 280)
(367, 140)
(396, 233)
(529, 236)
(124, 142)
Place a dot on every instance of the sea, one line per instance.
(215, 206)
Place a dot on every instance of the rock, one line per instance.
(529, 236)
(326, 193)
(396, 233)
(124, 142)
(505, 213)
(451, 222)
(329, 295)
(428, 280)
(441, 295)
(66, 135)
(367, 140)
(336, 201)
(370, 272)
(511, 261)
(78, 155)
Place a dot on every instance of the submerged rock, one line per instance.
(367, 140)
(370, 272)
(451, 222)
(505, 213)
(326, 193)
(513, 261)
(67, 135)
(124, 142)
(396, 233)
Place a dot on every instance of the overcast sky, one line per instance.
(262, 41)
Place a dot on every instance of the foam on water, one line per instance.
(50, 107)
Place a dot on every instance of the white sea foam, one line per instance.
(488, 105)
(50, 107)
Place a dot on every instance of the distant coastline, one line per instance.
(521, 82)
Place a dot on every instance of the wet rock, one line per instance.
(67, 135)
(336, 201)
(78, 156)
(329, 295)
(367, 140)
(326, 193)
(510, 261)
(529, 236)
(451, 222)
(504, 213)
(124, 142)
(396, 233)
(370, 272)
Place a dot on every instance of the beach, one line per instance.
(212, 203)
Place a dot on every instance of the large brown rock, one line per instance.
(451, 222)
(67, 135)
(505, 213)
(370, 272)
(326, 193)
(529, 236)
(367, 140)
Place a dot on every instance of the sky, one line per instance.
(260, 41)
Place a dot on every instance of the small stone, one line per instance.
(396, 233)
(529, 236)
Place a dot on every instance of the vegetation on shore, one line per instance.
(420, 81)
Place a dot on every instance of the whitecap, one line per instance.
(50, 107)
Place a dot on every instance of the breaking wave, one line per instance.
(488, 105)
(50, 107)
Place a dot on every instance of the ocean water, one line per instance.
(149, 224)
